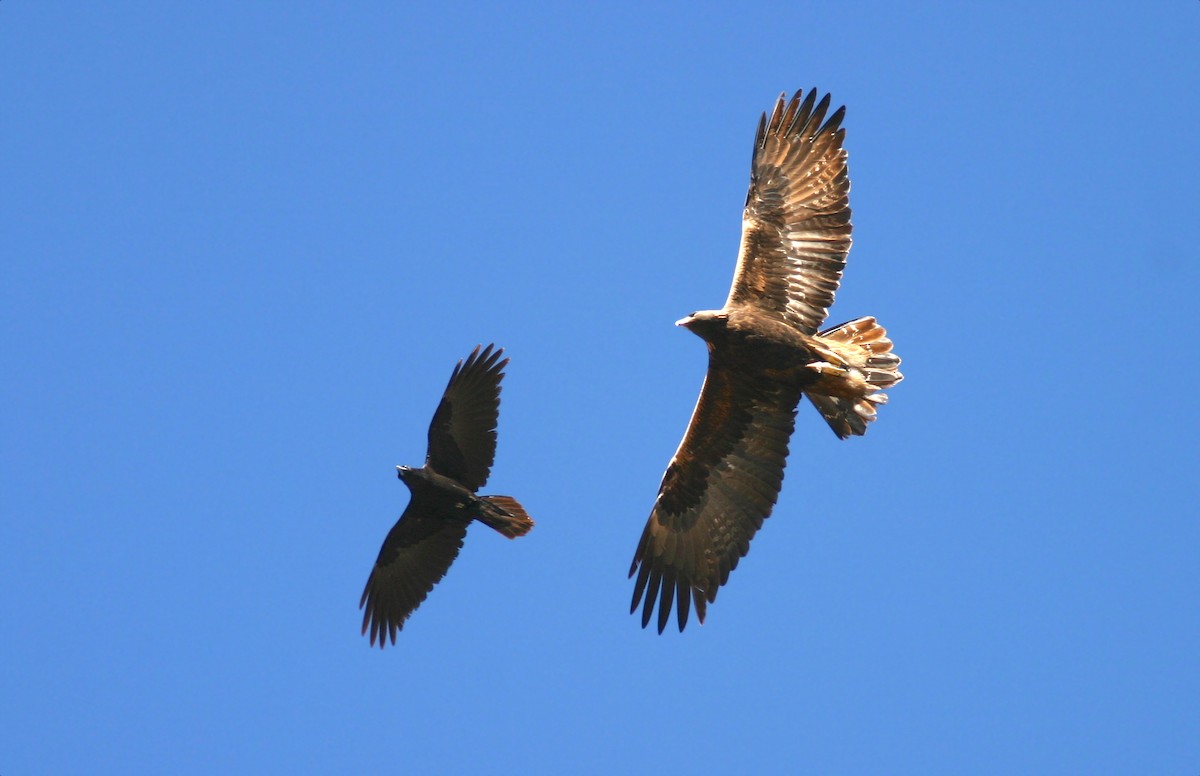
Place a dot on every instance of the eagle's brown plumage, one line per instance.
(425, 541)
(764, 354)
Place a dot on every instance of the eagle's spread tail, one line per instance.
(504, 514)
(861, 365)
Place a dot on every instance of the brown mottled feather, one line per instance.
(796, 223)
(721, 484)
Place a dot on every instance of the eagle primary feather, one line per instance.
(426, 539)
(764, 354)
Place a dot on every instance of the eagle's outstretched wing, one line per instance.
(796, 224)
(414, 557)
(721, 484)
(462, 436)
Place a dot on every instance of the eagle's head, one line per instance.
(706, 324)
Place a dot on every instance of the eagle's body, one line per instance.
(426, 539)
(765, 353)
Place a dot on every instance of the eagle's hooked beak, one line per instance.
(401, 471)
(685, 322)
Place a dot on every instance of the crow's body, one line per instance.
(426, 539)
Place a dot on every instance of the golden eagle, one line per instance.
(764, 352)
(426, 539)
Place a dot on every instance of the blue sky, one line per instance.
(244, 245)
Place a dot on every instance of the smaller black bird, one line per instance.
(426, 539)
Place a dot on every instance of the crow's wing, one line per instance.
(415, 556)
(462, 435)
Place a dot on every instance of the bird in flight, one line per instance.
(764, 353)
(426, 539)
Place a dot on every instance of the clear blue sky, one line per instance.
(244, 244)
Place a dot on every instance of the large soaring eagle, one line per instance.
(421, 546)
(764, 353)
